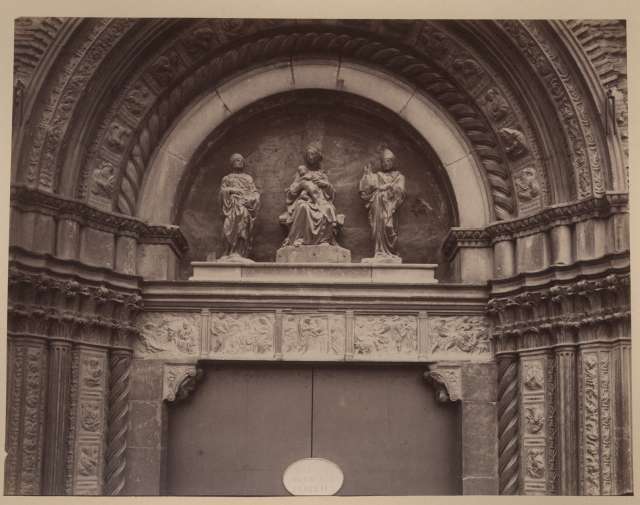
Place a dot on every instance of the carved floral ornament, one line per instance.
(447, 381)
(179, 381)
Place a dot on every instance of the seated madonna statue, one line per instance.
(311, 217)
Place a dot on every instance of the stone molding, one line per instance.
(28, 199)
(577, 308)
(562, 214)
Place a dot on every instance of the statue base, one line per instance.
(388, 259)
(323, 253)
(231, 258)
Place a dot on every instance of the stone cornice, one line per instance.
(62, 300)
(574, 212)
(28, 199)
(556, 215)
(588, 307)
(561, 274)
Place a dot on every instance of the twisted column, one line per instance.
(508, 424)
(118, 421)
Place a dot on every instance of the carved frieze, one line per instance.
(459, 337)
(168, 333)
(321, 334)
(380, 336)
(238, 334)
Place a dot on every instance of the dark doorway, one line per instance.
(247, 422)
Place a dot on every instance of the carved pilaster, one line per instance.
(566, 419)
(25, 423)
(57, 422)
(88, 413)
(621, 411)
(533, 385)
(508, 425)
(118, 421)
(595, 422)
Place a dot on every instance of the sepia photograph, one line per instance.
(287, 256)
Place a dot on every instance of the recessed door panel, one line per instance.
(239, 431)
(382, 426)
(246, 423)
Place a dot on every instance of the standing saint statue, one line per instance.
(384, 192)
(311, 217)
(240, 204)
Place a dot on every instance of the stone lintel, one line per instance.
(312, 273)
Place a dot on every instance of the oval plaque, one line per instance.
(313, 477)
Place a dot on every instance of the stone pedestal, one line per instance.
(231, 258)
(323, 253)
(314, 273)
(388, 259)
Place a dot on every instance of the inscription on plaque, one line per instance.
(313, 477)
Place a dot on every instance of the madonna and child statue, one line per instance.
(311, 221)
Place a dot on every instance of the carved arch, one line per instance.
(169, 163)
(451, 66)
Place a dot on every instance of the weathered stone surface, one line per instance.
(97, 248)
(146, 380)
(479, 438)
(323, 253)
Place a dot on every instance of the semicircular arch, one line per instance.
(169, 163)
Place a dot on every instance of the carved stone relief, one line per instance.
(514, 143)
(447, 381)
(459, 336)
(308, 334)
(88, 418)
(533, 375)
(595, 399)
(535, 462)
(168, 333)
(534, 418)
(528, 190)
(238, 333)
(386, 335)
(179, 381)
